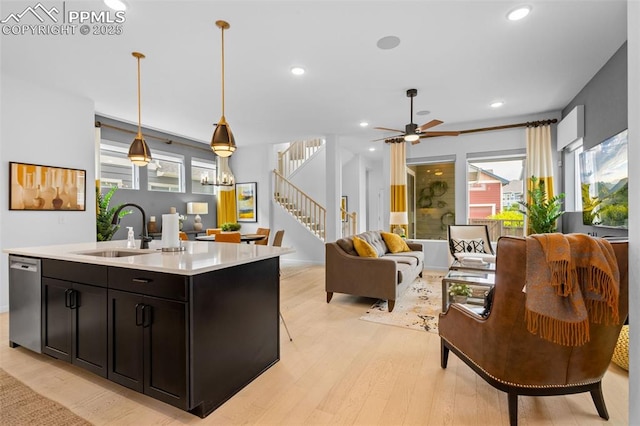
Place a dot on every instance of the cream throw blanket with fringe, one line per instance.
(570, 280)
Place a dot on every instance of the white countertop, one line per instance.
(198, 257)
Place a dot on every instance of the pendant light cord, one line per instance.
(139, 104)
(222, 71)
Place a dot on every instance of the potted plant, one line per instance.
(542, 212)
(104, 215)
(230, 226)
(460, 292)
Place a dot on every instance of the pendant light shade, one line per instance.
(223, 143)
(139, 152)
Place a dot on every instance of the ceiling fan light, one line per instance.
(411, 137)
(139, 152)
(223, 143)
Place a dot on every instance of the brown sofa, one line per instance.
(501, 350)
(385, 277)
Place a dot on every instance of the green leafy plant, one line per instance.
(460, 290)
(542, 212)
(230, 226)
(104, 215)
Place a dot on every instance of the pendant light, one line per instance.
(139, 153)
(223, 142)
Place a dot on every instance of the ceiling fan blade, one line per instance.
(388, 137)
(390, 130)
(429, 125)
(415, 142)
(443, 133)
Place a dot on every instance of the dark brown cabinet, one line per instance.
(148, 343)
(148, 346)
(191, 341)
(74, 326)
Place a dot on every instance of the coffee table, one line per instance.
(479, 281)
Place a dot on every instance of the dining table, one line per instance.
(247, 238)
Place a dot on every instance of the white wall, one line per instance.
(633, 30)
(43, 126)
(310, 177)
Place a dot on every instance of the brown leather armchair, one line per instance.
(501, 350)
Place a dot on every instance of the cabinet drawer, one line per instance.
(149, 283)
(85, 273)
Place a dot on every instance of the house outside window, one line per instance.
(494, 188)
(166, 172)
(115, 167)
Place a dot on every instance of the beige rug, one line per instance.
(417, 309)
(20, 405)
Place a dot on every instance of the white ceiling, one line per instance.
(460, 55)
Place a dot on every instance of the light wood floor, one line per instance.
(337, 370)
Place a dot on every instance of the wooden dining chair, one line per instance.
(277, 239)
(183, 236)
(265, 232)
(228, 237)
(213, 231)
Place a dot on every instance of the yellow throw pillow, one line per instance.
(394, 242)
(363, 248)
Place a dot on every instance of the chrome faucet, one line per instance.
(144, 242)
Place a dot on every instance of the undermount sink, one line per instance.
(114, 253)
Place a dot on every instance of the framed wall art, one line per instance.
(247, 202)
(46, 188)
(345, 207)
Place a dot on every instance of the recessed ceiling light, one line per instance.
(496, 104)
(423, 112)
(372, 149)
(518, 13)
(297, 70)
(388, 42)
(363, 124)
(116, 4)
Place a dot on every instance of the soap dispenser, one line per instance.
(131, 242)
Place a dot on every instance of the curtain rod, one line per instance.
(165, 140)
(511, 126)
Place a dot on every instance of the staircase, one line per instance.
(296, 154)
(299, 205)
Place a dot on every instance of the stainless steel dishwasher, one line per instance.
(24, 303)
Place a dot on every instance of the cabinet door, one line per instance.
(89, 313)
(56, 318)
(125, 339)
(165, 340)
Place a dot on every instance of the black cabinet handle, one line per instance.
(147, 315)
(139, 314)
(73, 299)
(141, 280)
(67, 298)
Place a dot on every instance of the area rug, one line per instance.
(417, 309)
(20, 405)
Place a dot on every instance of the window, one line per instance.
(202, 170)
(115, 166)
(166, 172)
(434, 198)
(494, 188)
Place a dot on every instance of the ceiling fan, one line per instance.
(412, 132)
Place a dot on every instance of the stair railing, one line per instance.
(296, 154)
(349, 223)
(300, 205)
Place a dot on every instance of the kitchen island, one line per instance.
(189, 328)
